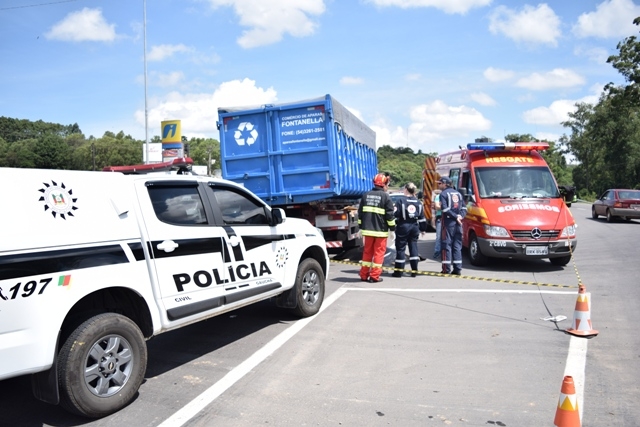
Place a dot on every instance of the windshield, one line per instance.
(516, 182)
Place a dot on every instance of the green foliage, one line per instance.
(402, 164)
(201, 149)
(605, 138)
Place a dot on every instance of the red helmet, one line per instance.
(380, 180)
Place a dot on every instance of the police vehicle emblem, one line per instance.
(58, 199)
(282, 256)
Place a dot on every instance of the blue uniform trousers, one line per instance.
(451, 243)
(407, 233)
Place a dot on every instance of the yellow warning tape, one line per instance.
(462, 276)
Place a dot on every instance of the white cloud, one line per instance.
(434, 127)
(85, 25)
(534, 25)
(350, 81)
(413, 77)
(269, 21)
(611, 19)
(548, 136)
(595, 54)
(497, 75)
(162, 51)
(198, 112)
(166, 79)
(483, 99)
(447, 6)
(438, 120)
(557, 78)
(555, 113)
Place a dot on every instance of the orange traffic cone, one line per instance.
(581, 326)
(567, 413)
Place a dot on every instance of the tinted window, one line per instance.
(237, 208)
(177, 205)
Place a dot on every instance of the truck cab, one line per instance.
(514, 207)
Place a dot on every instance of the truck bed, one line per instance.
(298, 152)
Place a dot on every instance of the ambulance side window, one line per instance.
(467, 185)
(177, 205)
(237, 208)
(454, 174)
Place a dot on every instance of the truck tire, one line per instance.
(475, 254)
(562, 261)
(309, 288)
(101, 365)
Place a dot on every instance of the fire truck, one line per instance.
(514, 207)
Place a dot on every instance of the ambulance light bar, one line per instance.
(524, 146)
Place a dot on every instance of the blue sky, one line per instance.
(427, 74)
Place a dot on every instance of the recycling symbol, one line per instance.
(246, 134)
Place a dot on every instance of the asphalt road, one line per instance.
(431, 350)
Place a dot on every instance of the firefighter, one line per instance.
(375, 219)
(453, 211)
(410, 223)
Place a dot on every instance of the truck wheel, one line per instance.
(475, 254)
(560, 261)
(594, 215)
(309, 288)
(101, 365)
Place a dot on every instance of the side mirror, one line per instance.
(277, 216)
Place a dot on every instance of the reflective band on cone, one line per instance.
(581, 326)
(567, 414)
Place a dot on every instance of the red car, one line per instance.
(617, 203)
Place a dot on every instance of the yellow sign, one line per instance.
(171, 131)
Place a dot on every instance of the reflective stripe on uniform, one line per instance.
(374, 233)
(373, 209)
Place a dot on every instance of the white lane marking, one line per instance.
(205, 398)
(575, 367)
(576, 360)
(487, 291)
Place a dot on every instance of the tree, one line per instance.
(627, 62)
(605, 138)
(402, 164)
(201, 149)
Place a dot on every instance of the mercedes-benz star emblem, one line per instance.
(536, 233)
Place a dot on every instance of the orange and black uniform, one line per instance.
(375, 218)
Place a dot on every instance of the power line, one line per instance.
(37, 5)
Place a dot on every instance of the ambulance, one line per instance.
(514, 207)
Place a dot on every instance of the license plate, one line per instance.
(537, 250)
(635, 206)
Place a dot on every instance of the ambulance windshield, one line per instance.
(516, 182)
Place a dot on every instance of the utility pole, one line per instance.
(146, 113)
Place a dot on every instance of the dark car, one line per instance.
(617, 204)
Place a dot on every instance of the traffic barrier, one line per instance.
(567, 414)
(581, 326)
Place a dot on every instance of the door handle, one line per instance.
(234, 241)
(167, 246)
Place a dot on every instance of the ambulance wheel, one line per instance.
(101, 365)
(475, 254)
(309, 288)
(562, 261)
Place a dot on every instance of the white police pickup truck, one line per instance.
(92, 264)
